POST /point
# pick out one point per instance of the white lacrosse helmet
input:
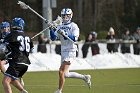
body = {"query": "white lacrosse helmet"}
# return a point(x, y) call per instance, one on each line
point(66, 15)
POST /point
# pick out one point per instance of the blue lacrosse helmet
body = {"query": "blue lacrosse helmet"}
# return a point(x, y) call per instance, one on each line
point(5, 24)
point(18, 23)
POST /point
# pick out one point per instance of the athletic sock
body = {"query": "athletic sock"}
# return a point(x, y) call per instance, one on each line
point(74, 75)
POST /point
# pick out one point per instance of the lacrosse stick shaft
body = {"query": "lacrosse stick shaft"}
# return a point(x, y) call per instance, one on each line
point(24, 6)
point(40, 33)
point(68, 38)
point(38, 14)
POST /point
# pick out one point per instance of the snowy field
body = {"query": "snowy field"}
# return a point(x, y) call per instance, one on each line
point(51, 61)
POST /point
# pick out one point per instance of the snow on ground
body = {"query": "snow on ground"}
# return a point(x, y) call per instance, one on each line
point(51, 61)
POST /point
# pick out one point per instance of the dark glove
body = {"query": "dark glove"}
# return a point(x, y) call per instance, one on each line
point(2, 56)
point(138, 41)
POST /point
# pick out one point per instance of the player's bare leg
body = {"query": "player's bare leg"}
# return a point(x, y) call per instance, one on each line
point(2, 68)
point(63, 68)
point(6, 84)
point(63, 72)
point(19, 85)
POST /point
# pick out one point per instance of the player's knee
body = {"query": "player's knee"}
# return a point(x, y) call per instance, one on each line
point(2, 63)
point(4, 82)
point(61, 73)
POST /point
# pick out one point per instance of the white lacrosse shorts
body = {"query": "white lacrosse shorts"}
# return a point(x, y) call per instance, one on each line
point(68, 56)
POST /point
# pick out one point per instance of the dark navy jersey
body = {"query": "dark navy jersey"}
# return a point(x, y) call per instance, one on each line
point(1, 35)
point(20, 46)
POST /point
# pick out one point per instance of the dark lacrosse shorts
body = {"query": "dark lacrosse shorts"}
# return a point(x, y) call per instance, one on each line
point(16, 71)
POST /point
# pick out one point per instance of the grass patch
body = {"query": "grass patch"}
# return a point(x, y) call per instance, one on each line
point(103, 81)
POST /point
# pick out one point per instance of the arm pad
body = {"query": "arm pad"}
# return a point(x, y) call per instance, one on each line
point(52, 35)
point(72, 37)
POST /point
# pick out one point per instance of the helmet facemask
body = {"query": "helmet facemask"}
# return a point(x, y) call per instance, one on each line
point(66, 18)
point(5, 29)
point(5, 25)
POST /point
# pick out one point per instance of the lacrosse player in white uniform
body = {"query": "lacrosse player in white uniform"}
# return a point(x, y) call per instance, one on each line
point(68, 48)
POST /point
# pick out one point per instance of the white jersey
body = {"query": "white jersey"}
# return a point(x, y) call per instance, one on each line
point(71, 29)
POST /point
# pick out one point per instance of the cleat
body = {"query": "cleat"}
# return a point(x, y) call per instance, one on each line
point(58, 91)
point(88, 80)
point(24, 91)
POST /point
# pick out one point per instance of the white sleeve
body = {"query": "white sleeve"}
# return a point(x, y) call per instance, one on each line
point(76, 31)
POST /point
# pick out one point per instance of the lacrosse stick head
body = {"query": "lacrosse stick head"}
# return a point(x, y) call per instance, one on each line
point(23, 5)
point(57, 22)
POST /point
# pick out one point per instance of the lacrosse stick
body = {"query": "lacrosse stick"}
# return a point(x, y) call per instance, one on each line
point(24, 6)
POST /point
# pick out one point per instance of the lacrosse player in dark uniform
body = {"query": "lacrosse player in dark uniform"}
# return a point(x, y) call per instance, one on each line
point(5, 30)
point(19, 45)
